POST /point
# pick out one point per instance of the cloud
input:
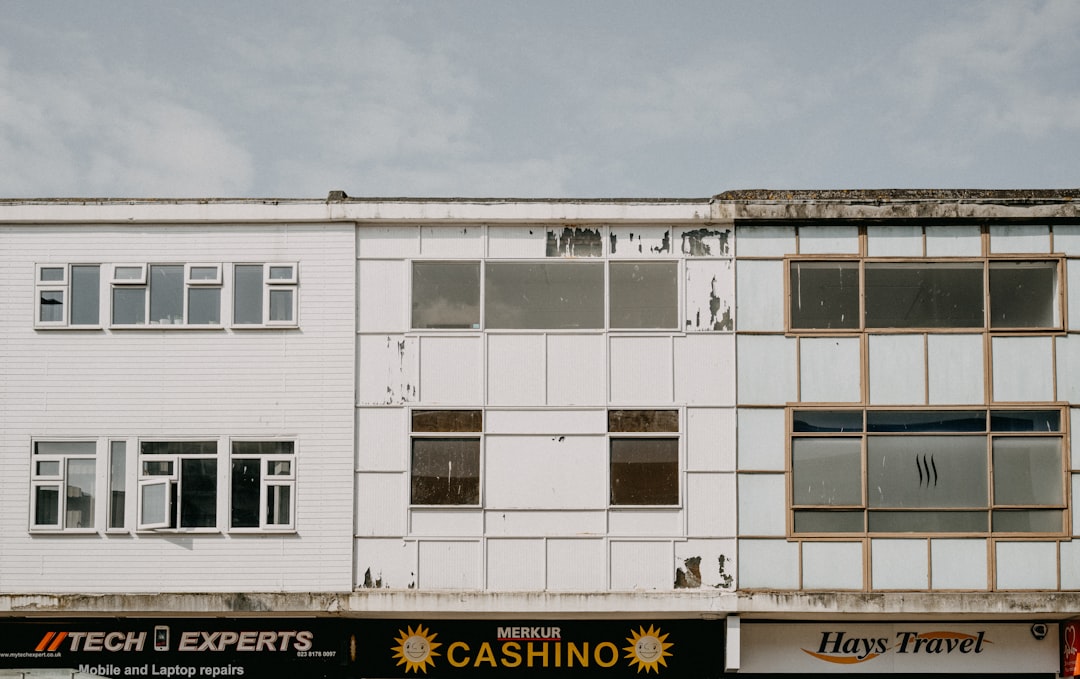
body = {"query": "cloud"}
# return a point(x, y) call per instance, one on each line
point(93, 130)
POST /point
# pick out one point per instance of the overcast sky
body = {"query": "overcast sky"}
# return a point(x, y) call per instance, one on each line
point(548, 98)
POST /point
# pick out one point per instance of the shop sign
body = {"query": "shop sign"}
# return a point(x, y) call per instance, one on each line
point(516, 649)
point(170, 648)
point(1070, 644)
point(898, 647)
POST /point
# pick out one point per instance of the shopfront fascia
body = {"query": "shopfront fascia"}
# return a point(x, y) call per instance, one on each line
point(905, 648)
point(168, 648)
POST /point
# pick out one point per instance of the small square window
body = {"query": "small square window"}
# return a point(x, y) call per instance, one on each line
point(445, 471)
point(644, 471)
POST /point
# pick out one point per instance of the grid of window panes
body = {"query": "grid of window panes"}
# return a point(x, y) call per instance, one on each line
point(959, 471)
point(512, 295)
point(999, 294)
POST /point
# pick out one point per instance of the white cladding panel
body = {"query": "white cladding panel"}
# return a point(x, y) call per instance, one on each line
point(447, 522)
point(386, 562)
point(762, 504)
point(710, 295)
point(1068, 366)
point(382, 296)
point(1026, 565)
point(639, 241)
point(830, 369)
point(766, 366)
point(380, 504)
point(387, 369)
point(714, 559)
point(575, 565)
point(516, 370)
point(452, 241)
point(953, 241)
point(641, 565)
point(955, 368)
point(563, 523)
point(515, 565)
point(762, 439)
point(760, 294)
point(765, 241)
point(709, 502)
point(645, 522)
point(705, 369)
point(522, 242)
point(899, 564)
point(450, 564)
point(894, 241)
point(1023, 368)
point(382, 439)
point(1009, 239)
point(546, 472)
point(547, 421)
point(897, 369)
point(576, 370)
point(641, 370)
point(710, 439)
point(167, 383)
point(828, 240)
point(947, 555)
point(393, 241)
point(832, 565)
point(768, 564)
point(450, 370)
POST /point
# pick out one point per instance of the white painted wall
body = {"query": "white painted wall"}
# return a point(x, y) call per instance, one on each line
point(295, 383)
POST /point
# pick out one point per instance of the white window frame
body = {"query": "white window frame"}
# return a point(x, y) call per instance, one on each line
point(63, 286)
point(270, 285)
point(59, 482)
point(266, 482)
point(188, 282)
point(174, 486)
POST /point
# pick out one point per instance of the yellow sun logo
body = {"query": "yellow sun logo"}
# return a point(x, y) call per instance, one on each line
point(647, 649)
point(415, 649)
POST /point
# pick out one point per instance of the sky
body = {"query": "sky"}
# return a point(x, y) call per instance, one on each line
point(539, 99)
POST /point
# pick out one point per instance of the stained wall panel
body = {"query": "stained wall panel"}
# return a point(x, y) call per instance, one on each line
point(387, 370)
point(710, 296)
point(385, 562)
point(639, 241)
point(1011, 239)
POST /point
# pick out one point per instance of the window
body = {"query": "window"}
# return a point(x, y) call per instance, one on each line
point(265, 294)
point(117, 484)
point(445, 470)
point(826, 295)
point(68, 295)
point(63, 481)
point(178, 484)
point(908, 471)
point(545, 295)
point(166, 294)
point(263, 484)
point(644, 467)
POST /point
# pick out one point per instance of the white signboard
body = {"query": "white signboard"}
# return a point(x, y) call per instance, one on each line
point(838, 648)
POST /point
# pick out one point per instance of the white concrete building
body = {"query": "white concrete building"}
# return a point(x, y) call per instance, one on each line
point(766, 432)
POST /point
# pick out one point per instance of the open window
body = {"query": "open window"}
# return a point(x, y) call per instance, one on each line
point(178, 484)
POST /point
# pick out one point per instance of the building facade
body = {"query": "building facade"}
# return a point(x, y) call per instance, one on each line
point(765, 432)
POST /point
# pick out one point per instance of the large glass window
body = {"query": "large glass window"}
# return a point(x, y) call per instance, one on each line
point(445, 470)
point(907, 471)
point(166, 294)
point(825, 295)
point(644, 295)
point(446, 295)
point(644, 469)
point(544, 295)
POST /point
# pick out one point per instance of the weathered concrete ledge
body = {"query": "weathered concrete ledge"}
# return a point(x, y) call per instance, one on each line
point(707, 604)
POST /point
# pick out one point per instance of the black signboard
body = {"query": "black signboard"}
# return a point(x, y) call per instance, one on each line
point(516, 649)
point(335, 648)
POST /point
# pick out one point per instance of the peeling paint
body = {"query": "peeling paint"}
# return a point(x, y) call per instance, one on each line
point(691, 577)
point(665, 244)
point(696, 243)
point(725, 322)
point(575, 242)
point(370, 583)
point(726, 580)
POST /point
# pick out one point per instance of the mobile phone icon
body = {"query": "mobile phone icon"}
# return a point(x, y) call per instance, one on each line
point(161, 638)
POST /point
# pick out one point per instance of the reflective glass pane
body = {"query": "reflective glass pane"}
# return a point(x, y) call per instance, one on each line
point(555, 295)
point(278, 467)
point(924, 421)
point(178, 447)
point(79, 502)
point(1027, 521)
point(278, 273)
point(277, 505)
point(927, 471)
point(65, 447)
point(643, 420)
point(827, 420)
point(644, 295)
point(85, 295)
point(46, 506)
point(198, 493)
point(1022, 294)
point(923, 295)
point(245, 492)
point(281, 304)
point(262, 447)
point(446, 295)
point(203, 273)
point(157, 468)
point(247, 294)
point(51, 306)
point(129, 306)
point(445, 471)
point(826, 471)
point(128, 273)
point(928, 522)
point(447, 420)
point(644, 471)
point(1028, 471)
point(167, 294)
point(117, 483)
point(824, 295)
point(48, 468)
point(814, 521)
point(204, 306)
point(48, 274)
point(1025, 420)
point(154, 499)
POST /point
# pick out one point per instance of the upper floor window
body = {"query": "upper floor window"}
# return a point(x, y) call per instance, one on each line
point(936, 471)
point(445, 464)
point(644, 466)
point(263, 482)
point(63, 485)
point(165, 295)
point(995, 294)
point(68, 295)
point(553, 295)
